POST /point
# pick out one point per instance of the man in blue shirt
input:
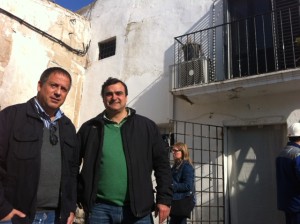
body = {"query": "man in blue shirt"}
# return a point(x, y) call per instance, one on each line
point(288, 176)
point(39, 156)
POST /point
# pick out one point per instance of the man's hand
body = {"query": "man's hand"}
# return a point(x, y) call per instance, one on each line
point(12, 214)
point(71, 218)
point(163, 212)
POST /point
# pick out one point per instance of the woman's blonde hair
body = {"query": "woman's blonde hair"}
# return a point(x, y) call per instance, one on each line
point(185, 151)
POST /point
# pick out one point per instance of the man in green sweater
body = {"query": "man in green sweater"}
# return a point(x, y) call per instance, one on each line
point(120, 150)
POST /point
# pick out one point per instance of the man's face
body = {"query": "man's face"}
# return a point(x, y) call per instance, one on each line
point(114, 98)
point(52, 94)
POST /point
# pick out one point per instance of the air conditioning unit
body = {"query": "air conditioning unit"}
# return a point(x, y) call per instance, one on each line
point(193, 72)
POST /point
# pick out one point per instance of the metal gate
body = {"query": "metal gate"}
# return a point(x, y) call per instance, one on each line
point(206, 150)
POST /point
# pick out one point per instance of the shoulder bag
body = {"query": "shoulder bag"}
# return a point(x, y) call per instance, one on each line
point(183, 207)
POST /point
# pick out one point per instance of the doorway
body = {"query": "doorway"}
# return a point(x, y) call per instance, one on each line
point(251, 173)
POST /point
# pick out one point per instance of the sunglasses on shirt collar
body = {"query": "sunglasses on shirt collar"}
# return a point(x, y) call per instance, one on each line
point(53, 136)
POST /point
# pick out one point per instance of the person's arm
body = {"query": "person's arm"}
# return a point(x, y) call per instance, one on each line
point(162, 211)
point(75, 174)
point(80, 139)
point(12, 214)
point(71, 218)
point(6, 209)
point(187, 180)
point(297, 166)
point(163, 176)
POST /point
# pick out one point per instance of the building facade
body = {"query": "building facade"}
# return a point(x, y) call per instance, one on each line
point(35, 35)
point(220, 75)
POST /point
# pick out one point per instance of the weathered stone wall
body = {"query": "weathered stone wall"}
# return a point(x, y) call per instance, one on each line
point(34, 35)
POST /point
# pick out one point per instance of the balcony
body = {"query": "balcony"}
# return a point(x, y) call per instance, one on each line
point(253, 55)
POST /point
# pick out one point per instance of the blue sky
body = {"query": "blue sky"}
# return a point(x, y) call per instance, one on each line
point(73, 5)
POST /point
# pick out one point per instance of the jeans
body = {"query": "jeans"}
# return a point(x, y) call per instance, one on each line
point(41, 217)
point(5, 222)
point(111, 214)
point(44, 217)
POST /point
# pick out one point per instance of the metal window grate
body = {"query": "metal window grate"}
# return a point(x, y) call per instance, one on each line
point(206, 150)
point(107, 48)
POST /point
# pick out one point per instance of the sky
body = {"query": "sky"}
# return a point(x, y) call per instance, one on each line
point(73, 5)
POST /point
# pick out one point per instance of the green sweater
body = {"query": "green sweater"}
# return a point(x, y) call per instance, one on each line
point(113, 183)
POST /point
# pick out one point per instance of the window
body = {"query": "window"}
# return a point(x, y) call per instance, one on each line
point(107, 48)
point(252, 39)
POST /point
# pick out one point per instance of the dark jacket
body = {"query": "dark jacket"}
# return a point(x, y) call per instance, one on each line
point(21, 135)
point(183, 180)
point(144, 152)
point(288, 178)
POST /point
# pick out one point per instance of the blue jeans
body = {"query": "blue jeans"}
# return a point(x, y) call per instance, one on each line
point(111, 214)
point(41, 217)
point(44, 217)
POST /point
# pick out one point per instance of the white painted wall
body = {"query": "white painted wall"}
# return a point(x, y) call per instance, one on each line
point(279, 108)
point(26, 52)
point(145, 32)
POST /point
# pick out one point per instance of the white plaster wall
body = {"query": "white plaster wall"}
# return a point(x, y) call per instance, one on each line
point(47, 16)
point(26, 53)
point(277, 108)
point(145, 32)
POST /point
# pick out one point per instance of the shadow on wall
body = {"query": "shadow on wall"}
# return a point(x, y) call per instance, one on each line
point(165, 79)
point(252, 177)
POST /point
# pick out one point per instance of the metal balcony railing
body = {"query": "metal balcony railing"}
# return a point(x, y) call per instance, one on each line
point(252, 46)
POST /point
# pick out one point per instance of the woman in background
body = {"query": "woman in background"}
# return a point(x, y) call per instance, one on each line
point(183, 179)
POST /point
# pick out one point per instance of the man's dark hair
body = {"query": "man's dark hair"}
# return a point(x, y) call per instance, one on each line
point(45, 75)
point(294, 139)
point(112, 81)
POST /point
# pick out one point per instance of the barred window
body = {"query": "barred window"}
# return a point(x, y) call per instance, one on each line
point(107, 48)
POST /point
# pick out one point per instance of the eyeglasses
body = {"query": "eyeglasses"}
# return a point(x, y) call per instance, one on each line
point(53, 136)
point(176, 150)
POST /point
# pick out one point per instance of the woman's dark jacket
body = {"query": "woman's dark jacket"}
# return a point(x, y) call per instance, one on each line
point(144, 152)
point(21, 136)
point(183, 180)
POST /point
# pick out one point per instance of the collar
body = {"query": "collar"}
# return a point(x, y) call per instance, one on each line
point(293, 144)
point(122, 121)
point(42, 113)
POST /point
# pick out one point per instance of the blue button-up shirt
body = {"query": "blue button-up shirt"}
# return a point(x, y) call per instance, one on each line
point(45, 117)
